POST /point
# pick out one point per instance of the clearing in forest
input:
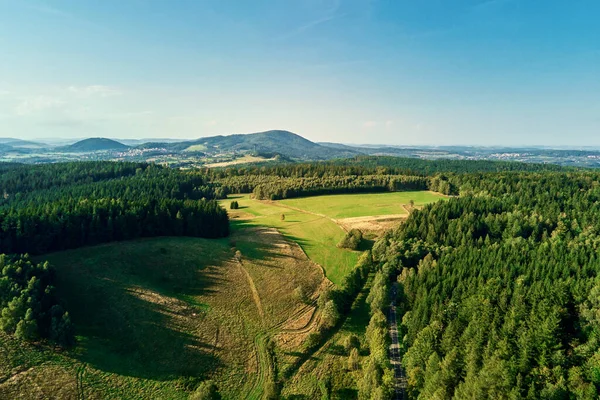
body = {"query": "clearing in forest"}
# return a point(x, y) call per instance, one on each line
point(317, 235)
point(363, 204)
point(154, 317)
point(318, 223)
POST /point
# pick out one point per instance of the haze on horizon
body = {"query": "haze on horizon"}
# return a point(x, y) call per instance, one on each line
point(476, 72)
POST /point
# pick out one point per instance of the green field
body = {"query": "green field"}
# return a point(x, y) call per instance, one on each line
point(155, 317)
point(318, 236)
point(362, 205)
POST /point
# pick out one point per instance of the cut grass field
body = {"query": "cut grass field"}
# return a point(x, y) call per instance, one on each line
point(317, 235)
point(362, 204)
point(154, 317)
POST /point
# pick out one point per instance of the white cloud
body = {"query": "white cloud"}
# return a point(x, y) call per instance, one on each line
point(4, 92)
point(211, 123)
point(94, 90)
point(34, 104)
point(369, 124)
point(389, 123)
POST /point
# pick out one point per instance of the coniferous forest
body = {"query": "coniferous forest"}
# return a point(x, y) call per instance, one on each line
point(499, 288)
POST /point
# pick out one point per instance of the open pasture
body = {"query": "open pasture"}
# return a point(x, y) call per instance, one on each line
point(362, 204)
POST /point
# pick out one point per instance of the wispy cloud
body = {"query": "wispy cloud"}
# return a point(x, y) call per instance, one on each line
point(94, 90)
point(31, 105)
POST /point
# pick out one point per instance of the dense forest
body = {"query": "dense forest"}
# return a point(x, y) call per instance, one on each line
point(41, 212)
point(500, 288)
point(356, 175)
point(378, 165)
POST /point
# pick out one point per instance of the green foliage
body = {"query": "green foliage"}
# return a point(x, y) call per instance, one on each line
point(351, 240)
point(234, 205)
point(27, 328)
point(277, 188)
point(329, 315)
point(351, 342)
point(29, 307)
point(353, 360)
point(500, 288)
point(93, 203)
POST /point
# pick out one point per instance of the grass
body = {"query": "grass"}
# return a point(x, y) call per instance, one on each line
point(362, 205)
point(330, 362)
point(246, 159)
point(318, 236)
point(154, 317)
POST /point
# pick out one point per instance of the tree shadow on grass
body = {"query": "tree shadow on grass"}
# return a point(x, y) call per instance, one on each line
point(126, 303)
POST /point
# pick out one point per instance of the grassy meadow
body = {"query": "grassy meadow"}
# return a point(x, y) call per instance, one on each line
point(318, 236)
point(362, 204)
point(155, 317)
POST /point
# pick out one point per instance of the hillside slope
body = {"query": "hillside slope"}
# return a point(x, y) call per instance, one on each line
point(281, 142)
point(94, 144)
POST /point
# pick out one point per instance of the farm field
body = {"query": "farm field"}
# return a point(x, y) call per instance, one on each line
point(154, 317)
point(363, 204)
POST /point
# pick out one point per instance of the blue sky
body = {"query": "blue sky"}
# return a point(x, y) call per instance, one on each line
point(436, 72)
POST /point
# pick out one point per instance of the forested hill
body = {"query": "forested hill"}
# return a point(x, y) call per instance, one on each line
point(281, 142)
point(500, 288)
point(94, 144)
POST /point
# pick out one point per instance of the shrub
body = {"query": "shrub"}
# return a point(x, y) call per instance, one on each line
point(351, 240)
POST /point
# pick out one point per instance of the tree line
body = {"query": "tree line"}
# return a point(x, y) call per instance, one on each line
point(118, 203)
point(378, 165)
point(266, 187)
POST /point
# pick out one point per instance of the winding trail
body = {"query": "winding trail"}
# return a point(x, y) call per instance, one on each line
point(395, 358)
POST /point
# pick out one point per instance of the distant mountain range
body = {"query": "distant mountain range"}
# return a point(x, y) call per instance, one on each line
point(275, 144)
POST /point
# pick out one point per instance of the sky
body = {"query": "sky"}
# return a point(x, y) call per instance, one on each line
point(401, 72)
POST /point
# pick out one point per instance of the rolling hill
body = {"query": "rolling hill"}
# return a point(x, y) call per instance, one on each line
point(93, 144)
point(281, 142)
